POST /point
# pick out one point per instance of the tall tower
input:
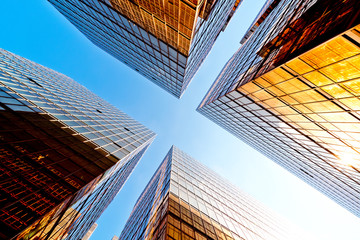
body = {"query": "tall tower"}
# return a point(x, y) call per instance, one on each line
point(90, 232)
point(292, 92)
point(165, 41)
point(186, 200)
point(64, 151)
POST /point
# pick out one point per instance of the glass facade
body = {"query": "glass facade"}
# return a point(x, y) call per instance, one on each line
point(186, 200)
point(90, 232)
point(64, 151)
point(292, 92)
point(165, 41)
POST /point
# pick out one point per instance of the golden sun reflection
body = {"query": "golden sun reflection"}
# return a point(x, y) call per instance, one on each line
point(349, 160)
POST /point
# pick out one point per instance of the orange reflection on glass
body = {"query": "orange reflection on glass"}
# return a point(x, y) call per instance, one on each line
point(317, 94)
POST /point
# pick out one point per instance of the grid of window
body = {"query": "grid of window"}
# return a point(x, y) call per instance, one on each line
point(303, 113)
point(246, 56)
point(206, 33)
point(58, 143)
point(316, 21)
point(171, 21)
point(91, 206)
point(60, 229)
point(200, 205)
point(133, 42)
point(150, 208)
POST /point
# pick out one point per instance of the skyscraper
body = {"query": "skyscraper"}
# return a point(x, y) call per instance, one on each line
point(165, 41)
point(186, 200)
point(292, 92)
point(90, 232)
point(65, 152)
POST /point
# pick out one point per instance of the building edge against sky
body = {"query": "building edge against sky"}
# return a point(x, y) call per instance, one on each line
point(65, 152)
point(165, 41)
point(90, 232)
point(294, 95)
point(186, 200)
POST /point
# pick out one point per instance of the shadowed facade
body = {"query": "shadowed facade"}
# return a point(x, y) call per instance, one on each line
point(64, 152)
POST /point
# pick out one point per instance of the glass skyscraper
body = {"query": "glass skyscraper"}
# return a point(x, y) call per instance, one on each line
point(65, 152)
point(165, 41)
point(292, 92)
point(186, 200)
point(90, 232)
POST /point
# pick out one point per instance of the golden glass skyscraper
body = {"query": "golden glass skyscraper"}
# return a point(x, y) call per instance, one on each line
point(185, 200)
point(165, 41)
point(173, 22)
point(292, 92)
point(65, 152)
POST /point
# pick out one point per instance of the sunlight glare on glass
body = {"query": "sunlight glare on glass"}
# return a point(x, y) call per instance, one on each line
point(350, 160)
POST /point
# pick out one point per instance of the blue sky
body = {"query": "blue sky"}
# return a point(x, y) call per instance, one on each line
point(35, 30)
